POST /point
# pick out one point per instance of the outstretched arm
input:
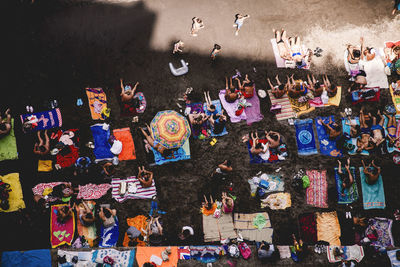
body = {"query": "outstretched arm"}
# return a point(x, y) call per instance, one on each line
point(122, 86)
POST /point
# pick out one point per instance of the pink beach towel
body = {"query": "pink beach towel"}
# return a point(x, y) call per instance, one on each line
point(93, 191)
point(253, 112)
point(317, 192)
point(141, 193)
point(61, 234)
point(39, 188)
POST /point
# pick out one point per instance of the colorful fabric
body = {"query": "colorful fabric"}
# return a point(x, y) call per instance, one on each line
point(383, 227)
point(141, 192)
point(286, 110)
point(101, 145)
point(170, 129)
point(365, 95)
point(67, 160)
point(218, 110)
point(277, 201)
point(305, 137)
point(128, 109)
point(109, 236)
point(197, 108)
point(317, 192)
point(254, 226)
point(328, 227)
point(326, 145)
point(44, 120)
point(128, 146)
point(308, 228)
point(351, 253)
point(45, 165)
point(15, 199)
point(184, 253)
point(205, 254)
point(143, 254)
point(216, 229)
point(353, 141)
point(350, 194)
point(30, 258)
point(89, 232)
point(231, 108)
point(283, 63)
point(335, 101)
point(373, 195)
point(300, 108)
point(8, 145)
point(182, 153)
point(97, 102)
point(139, 222)
point(393, 259)
point(92, 191)
point(121, 258)
point(61, 234)
point(253, 112)
point(395, 99)
point(39, 189)
point(275, 179)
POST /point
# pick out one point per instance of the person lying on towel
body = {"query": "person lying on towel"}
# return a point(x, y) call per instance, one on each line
point(364, 141)
point(391, 130)
point(346, 177)
point(334, 129)
point(107, 217)
point(258, 148)
point(231, 93)
point(281, 41)
point(64, 213)
point(85, 215)
point(280, 89)
point(296, 88)
point(5, 127)
point(208, 207)
point(359, 82)
point(145, 177)
point(371, 172)
point(218, 122)
point(330, 88)
point(378, 133)
point(155, 231)
point(127, 92)
point(314, 86)
point(246, 87)
point(42, 148)
point(166, 153)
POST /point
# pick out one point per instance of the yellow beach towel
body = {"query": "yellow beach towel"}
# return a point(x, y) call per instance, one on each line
point(16, 198)
point(328, 227)
point(45, 166)
point(335, 101)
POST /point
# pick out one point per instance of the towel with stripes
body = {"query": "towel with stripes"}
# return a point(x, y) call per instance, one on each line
point(286, 111)
point(141, 193)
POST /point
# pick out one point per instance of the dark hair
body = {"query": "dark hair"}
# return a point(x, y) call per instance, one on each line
point(147, 264)
point(136, 103)
point(281, 87)
point(110, 168)
point(89, 215)
point(212, 106)
point(209, 206)
point(3, 127)
point(317, 85)
point(107, 213)
point(217, 46)
point(167, 153)
point(358, 130)
point(146, 177)
point(41, 202)
point(215, 116)
point(266, 246)
point(186, 233)
point(258, 146)
point(356, 53)
point(398, 255)
point(199, 118)
point(374, 171)
point(274, 137)
point(333, 86)
point(336, 127)
point(299, 63)
point(228, 163)
point(133, 243)
point(140, 237)
point(42, 149)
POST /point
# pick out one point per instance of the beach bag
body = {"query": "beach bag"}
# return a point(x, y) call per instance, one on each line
point(244, 250)
point(234, 251)
point(306, 181)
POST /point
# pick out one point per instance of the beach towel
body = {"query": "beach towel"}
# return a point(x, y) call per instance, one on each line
point(45, 165)
point(61, 234)
point(144, 254)
point(395, 99)
point(284, 252)
point(383, 227)
point(275, 182)
point(282, 63)
point(8, 145)
point(15, 199)
point(84, 257)
point(276, 154)
point(393, 148)
point(89, 232)
point(121, 258)
point(277, 201)
point(101, 145)
point(97, 102)
point(308, 228)
point(128, 146)
point(39, 189)
point(231, 108)
point(351, 253)
point(317, 192)
point(300, 108)
point(197, 108)
point(373, 195)
point(128, 109)
point(393, 259)
point(109, 236)
point(375, 70)
point(328, 227)
point(184, 253)
point(350, 194)
point(353, 141)
point(217, 229)
point(44, 120)
point(305, 137)
point(246, 226)
point(182, 153)
point(141, 193)
point(335, 101)
point(326, 145)
point(30, 258)
point(286, 110)
point(139, 222)
point(92, 191)
point(365, 95)
point(253, 113)
point(68, 158)
point(218, 110)
point(206, 254)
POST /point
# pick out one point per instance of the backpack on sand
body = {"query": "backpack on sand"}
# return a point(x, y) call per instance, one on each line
point(244, 250)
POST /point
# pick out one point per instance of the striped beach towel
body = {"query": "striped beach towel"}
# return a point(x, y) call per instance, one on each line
point(286, 111)
point(317, 192)
point(141, 193)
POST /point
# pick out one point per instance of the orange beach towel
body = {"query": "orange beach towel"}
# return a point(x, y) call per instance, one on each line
point(128, 147)
point(140, 222)
point(143, 254)
point(97, 102)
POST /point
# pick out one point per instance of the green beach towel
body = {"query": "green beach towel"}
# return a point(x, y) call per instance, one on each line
point(8, 145)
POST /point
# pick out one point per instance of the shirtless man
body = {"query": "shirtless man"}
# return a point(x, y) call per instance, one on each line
point(281, 41)
point(5, 127)
point(363, 143)
point(377, 129)
point(198, 119)
point(145, 177)
point(314, 86)
point(334, 129)
point(371, 173)
point(274, 139)
point(346, 177)
point(230, 92)
point(259, 149)
point(279, 90)
point(43, 148)
point(127, 92)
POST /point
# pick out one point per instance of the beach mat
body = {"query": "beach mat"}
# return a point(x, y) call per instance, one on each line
point(97, 102)
point(197, 108)
point(45, 120)
point(68, 158)
point(231, 108)
point(141, 193)
point(92, 191)
point(128, 146)
point(395, 99)
point(139, 222)
point(351, 253)
point(45, 165)
point(101, 145)
point(308, 228)
point(365, 95)
point(277, 201)
point(89, 232)
point(253, 113)
point(217, 229)
point(373, 195)
point(317, 192)
point(383, 227)
point(280, 62)
point(326, 145)
point(144, 254)
point(328, 227)
point(109, 236)
point(30, 258)
point(16, 199)
point(39, 189)
point(8, 145)
point(182, 153)
point(61, 234)
point(335, 101)
point(244, 225)
point(351, 194)
point(286, 110)
point(353, 141)
point(218, 110)
point(300, 108)
point(121, 258)
point(184, 253)
point(305, 137)
point(393, 258)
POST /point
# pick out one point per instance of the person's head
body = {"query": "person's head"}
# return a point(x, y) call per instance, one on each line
point(356, 130)
point(299, 62)
point(2, 127)
point(184, 235)
point(167, 153)
point(374, 171)
point(367, 51)
point(336, 127)
point(333, 86)
point(209, 206)
point(212, 107)
point(65, 209)
point(258, 146)
point(266, 246)
point(317, 85)
point(228, 163)
point(27, 126)
point(398, 255)
point(356, 54)
point(107, 213)
point(281, 87)
point(238, 16)
point(147, 264)
point(146, 176)
point(199, 20)
point(198, 118)
point(217, 46)
point(274, 136)
point(109, 168)
point(42, 149)
point(89, 216)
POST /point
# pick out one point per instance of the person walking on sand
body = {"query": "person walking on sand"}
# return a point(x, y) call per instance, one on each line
point(239, 20)
point(178, 46)
point(215, 51)
point(197, 24)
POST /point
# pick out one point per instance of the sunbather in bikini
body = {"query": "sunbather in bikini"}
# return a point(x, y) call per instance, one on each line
point(127, 92)
point(346, 177)
point(296, 51)
point(377, 129)
point(279, 90)
point(246, 87)
point(231, 93)
point(43, 148)
point(363, 142)
point(154, 144)
point(391, 129)
point(314, 86)
point(355, 129)
point(331, 89)
point(5, 127)
point(353, 59)
point(281, 41)
point(145, 177)
point(371, 172)
point(211, 109)
point(208, 208)
point(227, 203)
point(295, 88)
point(274, 139)
point(333, 128)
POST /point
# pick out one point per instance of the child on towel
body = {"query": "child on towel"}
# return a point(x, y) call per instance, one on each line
point(346, 177)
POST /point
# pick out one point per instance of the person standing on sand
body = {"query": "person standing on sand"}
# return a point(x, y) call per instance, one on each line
point(178, 46)
point(215, 51)
point(239, 20)
point(197, 24)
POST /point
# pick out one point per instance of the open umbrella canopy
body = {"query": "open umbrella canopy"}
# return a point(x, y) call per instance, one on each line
point(170, 129)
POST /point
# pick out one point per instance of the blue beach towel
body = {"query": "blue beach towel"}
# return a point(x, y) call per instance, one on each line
point(305, 137)
point(101, 145)
point(392, 256)
point(326, 145)
point(181, 153)
point(346, 129)
point(122, 258)
point(274, 152)
point(45, 120)
point(218, 110)
point(390, 149)
point(109, 236)
point(373, 195)
point(351, 194)
point(31, 258)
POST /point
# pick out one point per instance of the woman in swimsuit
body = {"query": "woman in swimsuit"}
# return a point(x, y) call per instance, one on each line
point(363, 143)
point(127, 92)
point(314, 86)
point(284, 50)
point(230, 92)
point(330, 88)
point(43, 148)
point(247, 87)
point(296, 51)
point(391, 129)
point(152, 142)
point(334, 129)
point(279, 90)
point(377, 129)
point(346, 177)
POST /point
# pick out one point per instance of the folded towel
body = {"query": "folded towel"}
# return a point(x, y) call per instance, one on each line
point(15, 199)
point(141, 193)
point(101, 145)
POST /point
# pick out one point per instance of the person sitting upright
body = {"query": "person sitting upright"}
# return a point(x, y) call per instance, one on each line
point(314, 86)
point(246, 87)
point(145, 177)
point(265, 251)
point(371, 172)
point(107, 217)
point(279, 90)
point(334, 130)
point(259, 148)
point(43, 148)
point(346, 177)
point(330, 88)
point(127, 92)
point(5, 127)
point(295, 89)
point(231, 93)
point(218, 122)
